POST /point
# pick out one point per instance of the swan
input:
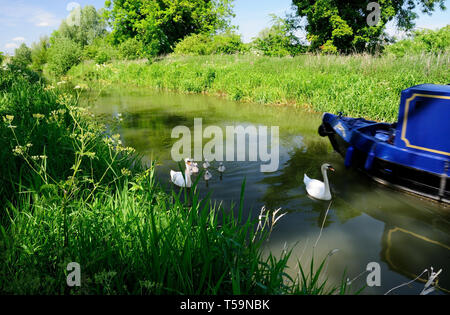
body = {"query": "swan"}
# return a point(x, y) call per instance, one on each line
point(221, 168)
point(194, 167)
point(183, 181)
point(206, 165)
point(208, 175)
point(317, 189)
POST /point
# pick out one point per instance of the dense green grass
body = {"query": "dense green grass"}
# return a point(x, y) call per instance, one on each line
point(72, 193)
point(360, 85)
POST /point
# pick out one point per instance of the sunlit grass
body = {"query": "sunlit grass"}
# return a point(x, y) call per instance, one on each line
point(359, 85)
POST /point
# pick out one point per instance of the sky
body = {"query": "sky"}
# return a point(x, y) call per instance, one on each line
point(25, 21)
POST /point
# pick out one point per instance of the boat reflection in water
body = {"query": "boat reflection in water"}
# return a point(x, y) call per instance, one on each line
point(411, 252)
point(416, 237)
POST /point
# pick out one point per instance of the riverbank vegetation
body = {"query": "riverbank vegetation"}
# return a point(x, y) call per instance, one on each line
point(360, 85)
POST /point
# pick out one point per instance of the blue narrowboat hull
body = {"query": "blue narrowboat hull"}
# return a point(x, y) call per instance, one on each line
point(371, 147)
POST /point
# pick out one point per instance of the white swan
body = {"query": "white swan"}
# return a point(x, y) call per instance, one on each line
point(183, 181)
point(221, 168)
point(208, 175)
point(317, 189)
point(194, 167)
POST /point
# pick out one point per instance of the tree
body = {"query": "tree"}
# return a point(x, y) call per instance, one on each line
point(160, 24)
point(342, 26)
point(2, 57)
point(280, 39)
point(85, 29)
point(22, 55)
point(63, 54)
point(39, 53)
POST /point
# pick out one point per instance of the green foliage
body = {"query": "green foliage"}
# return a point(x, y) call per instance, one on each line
point(39, 54)
point(195, 44)
point(83, 26)
point(279, 40)
point(81, 35)
point(101, 51)
point(22, 55)
point(161, 24)
point(228, 43)
point(2, 58)
point(203, 44)
point(131, 49)
point(43, 135)
point(102, 57)
point(423, 41)
point(341, 26)
point(63, 54)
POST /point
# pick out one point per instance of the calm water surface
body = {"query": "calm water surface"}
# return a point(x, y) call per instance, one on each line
point(366, 222)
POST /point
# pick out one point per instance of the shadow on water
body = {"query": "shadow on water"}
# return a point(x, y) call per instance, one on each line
point(366, 222)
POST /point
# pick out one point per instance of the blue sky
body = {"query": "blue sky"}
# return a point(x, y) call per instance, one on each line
point(27, 20)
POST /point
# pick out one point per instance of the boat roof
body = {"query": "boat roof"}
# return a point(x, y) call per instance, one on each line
point(430, 88)
point(424, 119)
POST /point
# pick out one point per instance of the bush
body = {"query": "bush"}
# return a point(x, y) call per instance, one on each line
point(22, 55)
point(131, 49)
point(2, 57)
point(63, 54)
point(202, 44)
point(103, 56)
point(197, 45)
point(424, 41)
point(278, 41)
point(228, 44)
point(39, 54)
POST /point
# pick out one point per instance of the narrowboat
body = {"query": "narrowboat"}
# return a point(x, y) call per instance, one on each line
point(412, 154)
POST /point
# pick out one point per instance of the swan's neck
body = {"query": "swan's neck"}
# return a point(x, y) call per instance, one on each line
point(326, 182)
point(187, 175)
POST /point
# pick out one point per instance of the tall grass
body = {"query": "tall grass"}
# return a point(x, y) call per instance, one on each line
point(359, 85)
point(74, 194)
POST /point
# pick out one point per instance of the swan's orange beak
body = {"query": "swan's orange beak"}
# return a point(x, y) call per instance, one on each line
point(331, 168)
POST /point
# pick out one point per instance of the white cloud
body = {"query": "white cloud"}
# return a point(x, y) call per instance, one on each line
point(43, 18)
point(14, 14)
point(10, 46)
point(19, 39)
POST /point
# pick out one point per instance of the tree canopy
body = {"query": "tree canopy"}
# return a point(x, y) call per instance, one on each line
point(160, 24)
point(85, 29)
point(22, 55)
point(342, 26)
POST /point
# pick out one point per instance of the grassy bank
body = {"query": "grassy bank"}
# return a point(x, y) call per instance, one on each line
point(362, 85)
point(71, 192)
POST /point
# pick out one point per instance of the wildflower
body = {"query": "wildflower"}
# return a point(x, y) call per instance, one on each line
point(77, 87)
point(18, 150)
point(8, 120)
point(90, 155)
point(61, 82)
point(38, 116)
point(126, 172)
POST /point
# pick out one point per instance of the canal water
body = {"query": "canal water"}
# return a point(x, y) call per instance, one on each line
point(364, 223)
